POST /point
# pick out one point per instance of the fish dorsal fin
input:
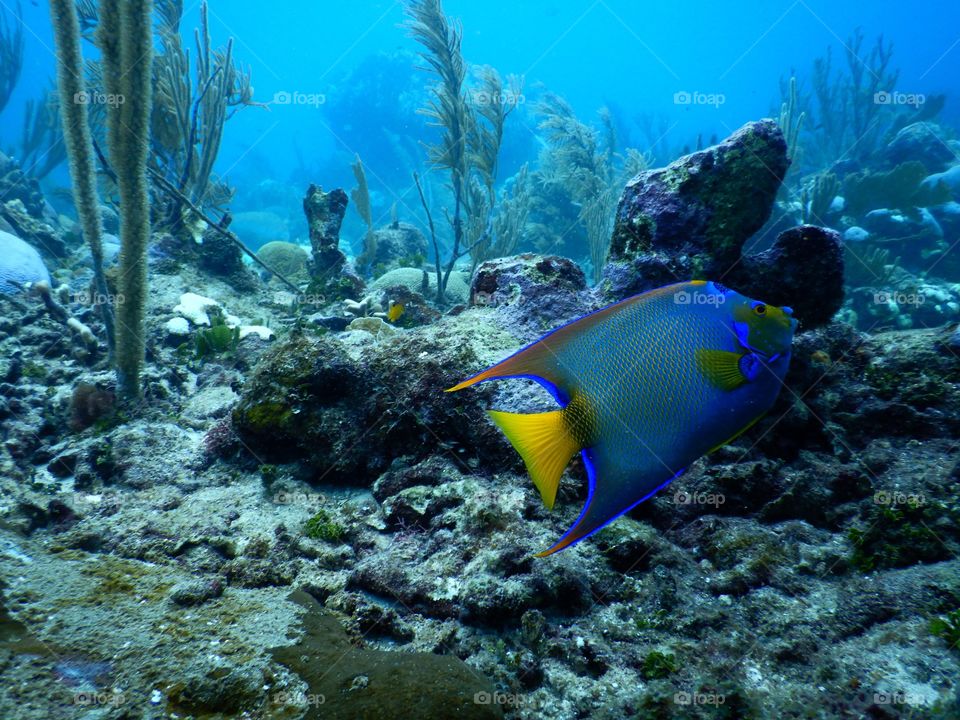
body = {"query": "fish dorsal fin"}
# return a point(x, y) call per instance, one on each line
point(545, 444)
point(722, 368)
point(542, 360)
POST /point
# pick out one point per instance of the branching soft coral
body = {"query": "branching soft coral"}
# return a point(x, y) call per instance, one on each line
point(585, 164)
point(11, 55)
point(471, 131)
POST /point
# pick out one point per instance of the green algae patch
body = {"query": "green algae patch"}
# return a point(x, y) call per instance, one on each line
point(323, 527)
point(346, 682)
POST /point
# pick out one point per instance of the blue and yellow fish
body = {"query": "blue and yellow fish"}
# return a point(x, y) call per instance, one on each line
point(646, 386)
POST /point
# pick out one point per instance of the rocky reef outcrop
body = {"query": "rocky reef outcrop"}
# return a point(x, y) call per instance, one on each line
point(693, 218)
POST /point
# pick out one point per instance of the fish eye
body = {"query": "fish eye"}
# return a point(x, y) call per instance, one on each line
point(760, 309)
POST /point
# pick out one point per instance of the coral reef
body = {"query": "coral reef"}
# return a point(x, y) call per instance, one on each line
point(420, 281)
point(294, 520)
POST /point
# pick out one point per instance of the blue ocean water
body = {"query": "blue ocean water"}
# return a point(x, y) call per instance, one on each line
point(632, 57)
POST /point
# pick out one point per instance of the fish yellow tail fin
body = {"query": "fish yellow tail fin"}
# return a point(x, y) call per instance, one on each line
point(544, 442)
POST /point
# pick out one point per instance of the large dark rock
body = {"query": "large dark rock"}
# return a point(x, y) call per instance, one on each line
point(803, 269)
point(692, 218)
point(699, 210)
point(218, 255)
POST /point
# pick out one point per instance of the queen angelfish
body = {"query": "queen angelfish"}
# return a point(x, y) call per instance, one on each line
point(646, 386)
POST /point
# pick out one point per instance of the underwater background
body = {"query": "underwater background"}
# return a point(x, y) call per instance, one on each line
point(245, 249)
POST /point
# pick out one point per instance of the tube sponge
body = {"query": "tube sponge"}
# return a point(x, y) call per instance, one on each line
point(125, 39)
point(77, 138)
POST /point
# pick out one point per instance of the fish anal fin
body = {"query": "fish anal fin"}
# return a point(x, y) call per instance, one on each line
point(545, 444)
point(605, 500)
point(721, 367)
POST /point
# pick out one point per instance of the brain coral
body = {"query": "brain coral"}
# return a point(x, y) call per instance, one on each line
point(458, 288)
point(19, 263)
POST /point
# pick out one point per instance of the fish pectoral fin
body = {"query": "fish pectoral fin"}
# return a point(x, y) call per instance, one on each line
point(722, 368)
point(545, 444)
